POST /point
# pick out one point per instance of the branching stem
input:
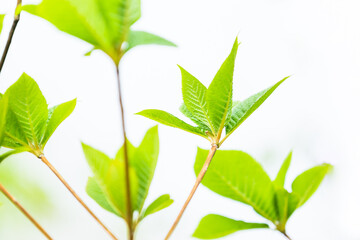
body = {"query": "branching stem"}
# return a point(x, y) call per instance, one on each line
point(193, 190)
point(11, 34)
point(22, 209)
point(129, 219)
point(43, 158)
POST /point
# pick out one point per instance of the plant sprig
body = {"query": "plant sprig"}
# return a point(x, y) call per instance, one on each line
point(238, 176)
point(213, 110)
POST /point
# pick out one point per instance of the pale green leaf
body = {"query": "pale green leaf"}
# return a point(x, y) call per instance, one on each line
point(170, 120)
point(137, 38)
point(183, 109)
point(306, 184)
point(244, 109)
point(95, 192)
point(219, 94)
point(280, 178)
point(1, 21)
point(10, 153)
point(144, 162)
point(29, 109)
point(194, 96)
point(3, 111)
point(282, 205)
point(56, 116)
point(215, 226)
point(104, 24)
point(236, 175)
point(160, 203)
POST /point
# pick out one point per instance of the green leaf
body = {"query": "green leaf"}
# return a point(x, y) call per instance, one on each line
point(29, 109)
point(183, 109)
point(3, 111)
point(194, 95)
point(56, 116)
point(137, 38)
point(305, 185)
point(170, 120)
point(10, 153)
point(1, 21)
point(95, 192)
point(236, 175)
point(215, 226)
point(144, 163)
point(219, 94)
point(159, 204)
point(283, 206)
point(280, 178)
point(244, 109)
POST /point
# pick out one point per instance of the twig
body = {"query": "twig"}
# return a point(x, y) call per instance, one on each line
point(197, 183)
point(129, 219)
point(287, 236)
point(11, 34)
point(22, 209)
point(43, 158)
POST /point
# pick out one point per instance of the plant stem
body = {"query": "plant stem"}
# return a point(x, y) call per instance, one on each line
point(43, 158)
point(22, 209)
point(129, 219)
point(11, 34)
point(193, 190)
point(287, 236)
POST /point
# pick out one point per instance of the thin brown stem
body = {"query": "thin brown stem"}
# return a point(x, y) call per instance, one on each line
point(287, 236)
point(43, 158)
point(22, 209)
point(129, 219)
point(193, 190)
point(11, 34)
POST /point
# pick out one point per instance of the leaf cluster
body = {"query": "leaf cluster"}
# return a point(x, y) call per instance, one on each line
point(212, 109)
point(238, 176)
point(107, 25)
point(26, 122)
point(107, 186)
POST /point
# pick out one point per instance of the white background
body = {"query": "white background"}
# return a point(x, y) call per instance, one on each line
point(315, 113)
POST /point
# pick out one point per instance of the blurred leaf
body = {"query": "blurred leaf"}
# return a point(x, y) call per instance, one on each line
point(109, 174)
point(1, 21)
point(170, 120)
point(194, 95)
point(282, 205)
point(137, 38)
point(244, 109)
point(3, 111)
point(56, 116)
point(219, 94)
point(215, 226)
point(160, 203)
point(280, 178)
point(306, 184)
point(9, 153)
point(95, 192)
point(236, 175)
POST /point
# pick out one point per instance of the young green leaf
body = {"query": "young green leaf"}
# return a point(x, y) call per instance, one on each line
point(236, 175)
point(283, 206)
point(3, 111)
point(95, 192)
point(184, 110)
point(215, 226)
point(306, 184)
point(56, 116)
point(29, 123)
point(244, 109)
point(29, 107)
point(219, 94)
point(280, 178)
point(170, 120)
point(1, 21)
point(137, 38)
point(160, 203)
point(194, 95)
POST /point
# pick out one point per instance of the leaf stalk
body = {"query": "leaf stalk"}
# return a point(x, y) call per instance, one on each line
point(52, 168)
point(23, 210)
point(11, 34)
point(193, 190)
